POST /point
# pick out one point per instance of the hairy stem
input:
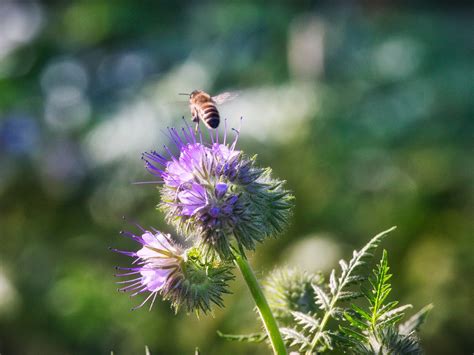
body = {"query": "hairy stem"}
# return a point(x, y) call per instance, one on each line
point(266, 314)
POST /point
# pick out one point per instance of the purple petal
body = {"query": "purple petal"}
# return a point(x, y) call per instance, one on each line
point(192, 199)
point(154, 280)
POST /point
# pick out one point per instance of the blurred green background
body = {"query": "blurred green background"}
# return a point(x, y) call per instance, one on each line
point(366, 109)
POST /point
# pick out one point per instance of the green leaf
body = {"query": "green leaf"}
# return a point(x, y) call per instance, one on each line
point(355, 320)
point(393, 316)
point(316, 338)
point(374, 331)
point(361, 312)
point(295, 338)
point(246, 338)
point(322, 298)
point(351, 333)
point(306, 321)
point(348, 295)
point(415, 321)
point(333, 282)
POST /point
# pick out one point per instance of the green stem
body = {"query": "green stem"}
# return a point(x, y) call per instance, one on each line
point(322, 325)
point(269, 322)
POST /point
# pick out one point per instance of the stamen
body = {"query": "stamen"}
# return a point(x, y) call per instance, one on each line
point(128, 281)
point(173, 138)
point(132, 287)
point(153, 301)
point(145, 301)
point(169, 152)
point(191, 132)
point(132, 236)
point(146, 182)
point(127, 274)
point(200, 134)
point(178, 138)
point(128, 253)
point(139, 291)
point(211, 135)
point(225, 130)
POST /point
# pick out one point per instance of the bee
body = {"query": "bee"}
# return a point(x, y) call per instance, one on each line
point(203, 107)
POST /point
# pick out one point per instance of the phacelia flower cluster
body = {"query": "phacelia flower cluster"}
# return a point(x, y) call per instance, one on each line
point(214, 194)
point(221, 202)
point(161, 266)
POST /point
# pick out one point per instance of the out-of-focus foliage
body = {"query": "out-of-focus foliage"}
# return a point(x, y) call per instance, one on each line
point(365, 109)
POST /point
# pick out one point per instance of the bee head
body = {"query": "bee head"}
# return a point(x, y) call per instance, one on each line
point(194, 93)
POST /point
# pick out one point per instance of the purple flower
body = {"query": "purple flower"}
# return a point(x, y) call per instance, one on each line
point(183, 276)
point(214, 192)
point(157, 265)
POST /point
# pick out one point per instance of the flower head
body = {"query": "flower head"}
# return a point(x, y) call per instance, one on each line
point(291, 289)
point(180, 275)
point(214, 192)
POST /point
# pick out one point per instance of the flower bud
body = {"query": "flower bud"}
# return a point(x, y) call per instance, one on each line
point(288, 290)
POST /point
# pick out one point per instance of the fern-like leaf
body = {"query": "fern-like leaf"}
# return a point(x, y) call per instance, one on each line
point(373, 331)
point(306, 321)
point(246, 338)
point(309, 332)
point(333, 282)
point(321, 298)
point(393, 316)
point(294, 337)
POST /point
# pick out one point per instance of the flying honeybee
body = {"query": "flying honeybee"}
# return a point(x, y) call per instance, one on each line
point(203, 107)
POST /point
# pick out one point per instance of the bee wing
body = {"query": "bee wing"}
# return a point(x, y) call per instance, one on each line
point(224, 97)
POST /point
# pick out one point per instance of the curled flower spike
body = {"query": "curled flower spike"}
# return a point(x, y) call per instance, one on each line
point(163, 267)
point(214, 192)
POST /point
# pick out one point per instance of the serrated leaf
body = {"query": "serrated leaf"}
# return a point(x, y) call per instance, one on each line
point(353, 334)
point(342, 338)
point(337, 292)
point(361, 312)
point(327, 341)
point(322, 298)
point(388, 307)
point(343, 265)
point(415, 321)
point(247, 338)
point(358, 256)
point(306, 321)
point(338, 313)
point(355, 321)
point(355, 279)
point(393, 316)
point(295, 337)
point(333, 282)
point(348, 295)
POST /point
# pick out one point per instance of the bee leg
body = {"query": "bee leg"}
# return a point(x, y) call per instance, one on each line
point(196, 120)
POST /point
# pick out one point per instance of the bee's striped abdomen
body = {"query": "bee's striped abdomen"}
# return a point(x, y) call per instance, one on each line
point(210, 115)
